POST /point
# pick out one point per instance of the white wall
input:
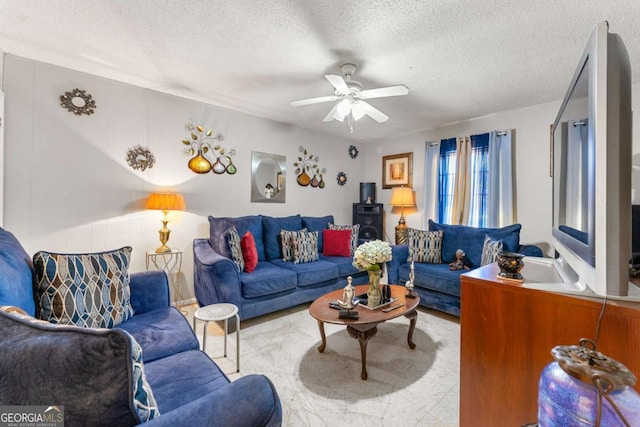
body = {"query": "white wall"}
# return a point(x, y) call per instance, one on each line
point(533, 183)
point(68, 187)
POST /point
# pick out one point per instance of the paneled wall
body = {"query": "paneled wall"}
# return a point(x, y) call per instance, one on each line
point(68, 187)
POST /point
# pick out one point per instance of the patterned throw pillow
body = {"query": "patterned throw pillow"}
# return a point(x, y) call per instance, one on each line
point(89, 290)
point(425, 246)
point(233, 239)
point(491, 250)
point(305, 247)
point(286, 239)
point(143, 400)
point(355, 231)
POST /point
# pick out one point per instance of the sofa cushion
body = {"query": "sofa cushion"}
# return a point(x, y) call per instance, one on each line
point(424, 246)
point(491, 250)
point(318, 224)
point(305, 247)
point(471, 239)
point(355, 231)
point(267, 279)
point(336, 243)
point(90, 290)
point(310, 273)
point(182, 378)
point(219, 226)
point(161, 333)
point(271, 233)
point(88, 371)
point(235, 248)
point(249, 252)
point(345, 265)
point(16, 280)
point(437, 277)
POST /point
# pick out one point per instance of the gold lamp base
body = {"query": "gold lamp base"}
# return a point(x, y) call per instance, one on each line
point(402, 232)
point(164, 237)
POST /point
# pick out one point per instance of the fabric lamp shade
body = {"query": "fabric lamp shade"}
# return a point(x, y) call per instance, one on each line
point(403, 197)
point(166, 202)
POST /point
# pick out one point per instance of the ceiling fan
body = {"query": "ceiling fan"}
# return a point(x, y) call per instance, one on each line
point(351, 98)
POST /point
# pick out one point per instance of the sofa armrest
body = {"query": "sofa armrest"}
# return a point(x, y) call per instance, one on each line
point(399, 255)
point(149, 291)
point(216, 278)
point(530, 250)
point(249, 401)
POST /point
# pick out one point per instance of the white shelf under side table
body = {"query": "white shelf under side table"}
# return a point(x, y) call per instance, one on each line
point(215, 313)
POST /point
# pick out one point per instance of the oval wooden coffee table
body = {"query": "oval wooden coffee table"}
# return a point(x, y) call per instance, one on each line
point(365, 326)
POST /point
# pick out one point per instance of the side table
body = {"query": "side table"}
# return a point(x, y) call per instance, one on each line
point(218, 312)
point(170, 263)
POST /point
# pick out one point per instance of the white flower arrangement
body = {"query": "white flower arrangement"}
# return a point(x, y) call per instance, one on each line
point(369, 255)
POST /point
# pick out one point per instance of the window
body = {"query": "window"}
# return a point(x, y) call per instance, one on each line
point(446, 179)
point(477, 181)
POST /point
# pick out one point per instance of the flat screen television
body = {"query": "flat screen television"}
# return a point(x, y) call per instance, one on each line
point(592, 151)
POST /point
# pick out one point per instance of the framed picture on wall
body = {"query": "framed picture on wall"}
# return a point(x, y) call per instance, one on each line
point(397, 170)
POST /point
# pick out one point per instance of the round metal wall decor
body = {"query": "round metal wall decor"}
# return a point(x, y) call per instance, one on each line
point(341, 178)
point(78, 102)
point(353, 152)
point(140, 158)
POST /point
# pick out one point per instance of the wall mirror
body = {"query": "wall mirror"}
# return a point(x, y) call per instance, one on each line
point(268, 173)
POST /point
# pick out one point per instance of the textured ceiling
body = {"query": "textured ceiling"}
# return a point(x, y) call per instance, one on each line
point(459, 59)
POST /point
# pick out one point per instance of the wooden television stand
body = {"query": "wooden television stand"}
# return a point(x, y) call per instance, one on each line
point(507, 333)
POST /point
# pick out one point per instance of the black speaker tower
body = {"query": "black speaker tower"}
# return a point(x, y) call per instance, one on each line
point(370, 216)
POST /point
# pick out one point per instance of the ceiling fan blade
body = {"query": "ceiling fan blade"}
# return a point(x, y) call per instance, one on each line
point(338, 82)
point(361, 108)
point(332, 114)
point(313, 101)
point(385, 91)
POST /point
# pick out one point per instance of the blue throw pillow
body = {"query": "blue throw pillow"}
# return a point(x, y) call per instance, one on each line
point(271, 228)
point(471, 239)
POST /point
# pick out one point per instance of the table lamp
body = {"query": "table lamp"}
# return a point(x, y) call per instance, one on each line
point(165, 202)
point(403, 198)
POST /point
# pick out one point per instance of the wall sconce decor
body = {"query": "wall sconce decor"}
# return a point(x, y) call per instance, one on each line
point(306, 166)
point(199, 145)
point(341, 178)
point(402, 197)
point(78, 102)
point(165, 202)
point(140, 158)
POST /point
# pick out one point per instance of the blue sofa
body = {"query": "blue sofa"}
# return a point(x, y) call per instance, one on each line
point(98, 375)
point(437, 285)
point(275, 284)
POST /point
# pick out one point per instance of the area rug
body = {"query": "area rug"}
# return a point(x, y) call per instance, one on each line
point(405, 387)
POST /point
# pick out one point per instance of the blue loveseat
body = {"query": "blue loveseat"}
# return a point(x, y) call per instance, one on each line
point(98, 376)
point(437, 285)
point(275, 284)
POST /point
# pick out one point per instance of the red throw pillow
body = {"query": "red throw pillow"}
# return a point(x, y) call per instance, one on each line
point(249, 252)
point(336, 242)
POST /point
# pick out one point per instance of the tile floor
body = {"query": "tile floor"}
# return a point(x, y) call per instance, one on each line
point(405, 387)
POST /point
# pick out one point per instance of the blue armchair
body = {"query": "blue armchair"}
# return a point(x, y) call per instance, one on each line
point(148, 369)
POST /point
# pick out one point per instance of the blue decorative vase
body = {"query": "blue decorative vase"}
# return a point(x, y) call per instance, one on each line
point(564, 400)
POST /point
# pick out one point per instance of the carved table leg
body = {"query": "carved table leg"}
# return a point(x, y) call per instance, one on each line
point(413, 317)
point(324, 337)
point(363, 338)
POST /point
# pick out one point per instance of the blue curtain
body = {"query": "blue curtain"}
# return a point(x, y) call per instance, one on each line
point(479, 180)
point(446, 179)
